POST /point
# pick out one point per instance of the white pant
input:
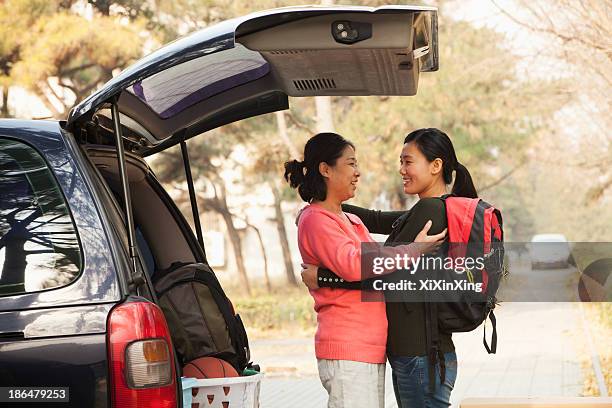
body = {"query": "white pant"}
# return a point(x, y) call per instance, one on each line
point(353, 384)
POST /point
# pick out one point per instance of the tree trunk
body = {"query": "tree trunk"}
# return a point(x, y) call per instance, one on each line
point(219, 205)
point(278, 214)
point(234, 239)
point(4, 113)
point(237, 246)
point(48, 104)
point(282, 234)
point(325, 118)
point(15, 263)
point(263, 253)
point(282, 132)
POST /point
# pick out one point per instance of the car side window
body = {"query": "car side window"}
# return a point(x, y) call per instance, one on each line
point(39, 247)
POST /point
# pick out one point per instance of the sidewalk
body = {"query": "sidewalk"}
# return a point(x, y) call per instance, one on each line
point(536, 357)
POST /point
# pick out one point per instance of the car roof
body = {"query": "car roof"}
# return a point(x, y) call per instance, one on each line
point(27, 129)
point(549, 238)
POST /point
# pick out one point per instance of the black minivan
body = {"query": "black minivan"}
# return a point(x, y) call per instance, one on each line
point(84, 222)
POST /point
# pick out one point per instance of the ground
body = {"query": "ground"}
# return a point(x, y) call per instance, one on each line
point(538, 355)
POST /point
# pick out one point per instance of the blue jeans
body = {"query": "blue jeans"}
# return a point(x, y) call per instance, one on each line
point(410, 375)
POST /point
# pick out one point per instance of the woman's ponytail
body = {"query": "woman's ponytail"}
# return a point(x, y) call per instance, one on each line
point(463, 186)
point(294, 173)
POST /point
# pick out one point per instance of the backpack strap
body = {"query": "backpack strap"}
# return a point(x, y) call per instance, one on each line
point(435, 355)
point(493, 348)
point(160, 273)
point(500, 222)
point(477, 227)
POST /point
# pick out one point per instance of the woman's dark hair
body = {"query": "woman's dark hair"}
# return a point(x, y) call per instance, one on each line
point(434, 143)
point(305, 175)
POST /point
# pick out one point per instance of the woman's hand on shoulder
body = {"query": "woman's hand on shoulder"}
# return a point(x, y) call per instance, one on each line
point(429, 243)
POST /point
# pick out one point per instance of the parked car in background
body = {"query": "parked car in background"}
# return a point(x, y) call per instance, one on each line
point(549, 251)
point(85, 224)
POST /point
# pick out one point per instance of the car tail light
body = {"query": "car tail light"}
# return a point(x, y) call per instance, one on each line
point(148, 364)
point(142, 372)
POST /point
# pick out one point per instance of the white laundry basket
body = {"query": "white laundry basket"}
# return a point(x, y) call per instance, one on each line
point(233, 392)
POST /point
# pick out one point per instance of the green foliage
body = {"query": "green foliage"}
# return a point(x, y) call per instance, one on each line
point(285, 308)
point(73, 48)
point(44, 40)
point(15, 17)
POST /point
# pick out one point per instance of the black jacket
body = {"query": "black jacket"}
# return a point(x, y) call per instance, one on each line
point(406, 333)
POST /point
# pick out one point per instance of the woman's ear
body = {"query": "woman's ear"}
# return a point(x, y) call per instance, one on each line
point(324, 169)
point(436, 166)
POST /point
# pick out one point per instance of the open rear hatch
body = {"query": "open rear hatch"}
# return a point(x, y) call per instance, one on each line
point(250, 65)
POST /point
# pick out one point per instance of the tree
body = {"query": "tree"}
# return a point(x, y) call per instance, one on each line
point(493, 115)
point(60, 55)
point(577, 37)
point(69, 53)
point(270, 169)
point(15, 18)
point(266, 169)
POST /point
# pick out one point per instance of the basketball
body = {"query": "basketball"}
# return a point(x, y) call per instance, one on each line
point(209, 367)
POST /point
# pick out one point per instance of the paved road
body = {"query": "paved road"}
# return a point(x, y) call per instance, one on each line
point(537, 356)
point(541, 285)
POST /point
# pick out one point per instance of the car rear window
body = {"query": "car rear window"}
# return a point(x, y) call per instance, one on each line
point(175, 89)
point(39, 247)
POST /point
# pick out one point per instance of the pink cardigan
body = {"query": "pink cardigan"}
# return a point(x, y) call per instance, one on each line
point(348, 329)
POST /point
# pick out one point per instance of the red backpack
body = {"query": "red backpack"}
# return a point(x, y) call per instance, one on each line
point(473, 221)
point(478, 225)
